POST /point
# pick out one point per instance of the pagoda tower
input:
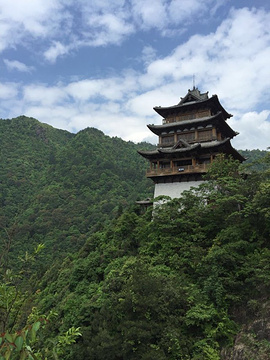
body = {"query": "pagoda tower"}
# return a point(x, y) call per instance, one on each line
point(192, 133)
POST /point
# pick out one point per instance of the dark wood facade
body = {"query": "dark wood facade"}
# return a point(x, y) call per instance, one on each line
point(192, 133)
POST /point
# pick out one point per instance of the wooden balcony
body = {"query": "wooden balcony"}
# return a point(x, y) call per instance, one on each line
point(176, 170)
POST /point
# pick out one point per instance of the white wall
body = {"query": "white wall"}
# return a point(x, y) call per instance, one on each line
point(174, 190)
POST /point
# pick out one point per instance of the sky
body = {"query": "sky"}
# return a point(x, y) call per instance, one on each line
point(75, 64)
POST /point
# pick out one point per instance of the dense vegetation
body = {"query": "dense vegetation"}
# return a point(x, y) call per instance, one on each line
point(177, 283)
point(56, 187)
point(175, 286)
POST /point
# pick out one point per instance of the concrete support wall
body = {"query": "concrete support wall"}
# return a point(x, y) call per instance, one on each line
point(174, 190)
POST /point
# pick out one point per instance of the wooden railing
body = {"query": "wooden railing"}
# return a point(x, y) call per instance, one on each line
point(187, 169)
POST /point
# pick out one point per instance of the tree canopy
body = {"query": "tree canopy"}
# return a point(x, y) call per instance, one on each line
point(188, 280)
point(176, 284)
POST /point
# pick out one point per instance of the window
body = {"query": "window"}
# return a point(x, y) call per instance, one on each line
point(167, 140)
point(205, 135)
point(190, 136)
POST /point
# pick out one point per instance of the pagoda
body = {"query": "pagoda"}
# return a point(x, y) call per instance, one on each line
point(192, 133)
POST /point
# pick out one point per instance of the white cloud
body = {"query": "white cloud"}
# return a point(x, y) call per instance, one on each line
point(55, 50)
point(183, 10)
point(21, 21)
point(104, 29)
point(8, 91)
point(168, 15)
point(90, 23)
point(217, 62)
point(56, 22)
point(115, 88)
point(225, 62)
point(29, 13)
point(43, 95)
point(148, 15)
point(57, 116)
point(17, 65)
point(254, 128)
point(142, 104)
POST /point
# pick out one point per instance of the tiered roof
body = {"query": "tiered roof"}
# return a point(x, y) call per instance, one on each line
point(223, 146)
point(216, 119)
point(195, 111)
point(194, 100)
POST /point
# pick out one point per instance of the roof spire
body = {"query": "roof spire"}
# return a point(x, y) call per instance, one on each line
point(193, 82)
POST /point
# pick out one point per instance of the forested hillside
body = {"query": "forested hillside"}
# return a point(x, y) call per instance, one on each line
point(56, 187)
point(177, 285)
point(189, 281)
point(254, 160)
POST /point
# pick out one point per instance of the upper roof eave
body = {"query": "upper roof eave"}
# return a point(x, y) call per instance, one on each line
point(164, 111)
point(158, 129)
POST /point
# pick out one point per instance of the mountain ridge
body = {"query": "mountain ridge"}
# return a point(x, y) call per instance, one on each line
point(47, 173)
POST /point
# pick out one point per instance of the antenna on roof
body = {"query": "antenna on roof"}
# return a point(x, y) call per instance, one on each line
point(193, 82)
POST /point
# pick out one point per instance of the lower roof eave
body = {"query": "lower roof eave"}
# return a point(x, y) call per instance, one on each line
point(177, 175)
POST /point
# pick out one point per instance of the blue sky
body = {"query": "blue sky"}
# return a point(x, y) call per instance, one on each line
point(106, 64)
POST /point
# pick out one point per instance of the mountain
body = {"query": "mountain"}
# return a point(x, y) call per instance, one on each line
point(190, 282)
point(56, 187)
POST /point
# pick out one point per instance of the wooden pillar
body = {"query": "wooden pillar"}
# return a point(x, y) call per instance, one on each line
point(196, 134)
point(214, 132)
point(175, 138)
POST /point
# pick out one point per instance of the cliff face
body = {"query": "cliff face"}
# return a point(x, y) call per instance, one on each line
point(253, 341)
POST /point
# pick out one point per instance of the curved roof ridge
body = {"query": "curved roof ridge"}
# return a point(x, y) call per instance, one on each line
point(195, 95)
point(191, 100)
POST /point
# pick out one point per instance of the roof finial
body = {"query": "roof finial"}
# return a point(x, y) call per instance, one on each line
point(193, 82)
